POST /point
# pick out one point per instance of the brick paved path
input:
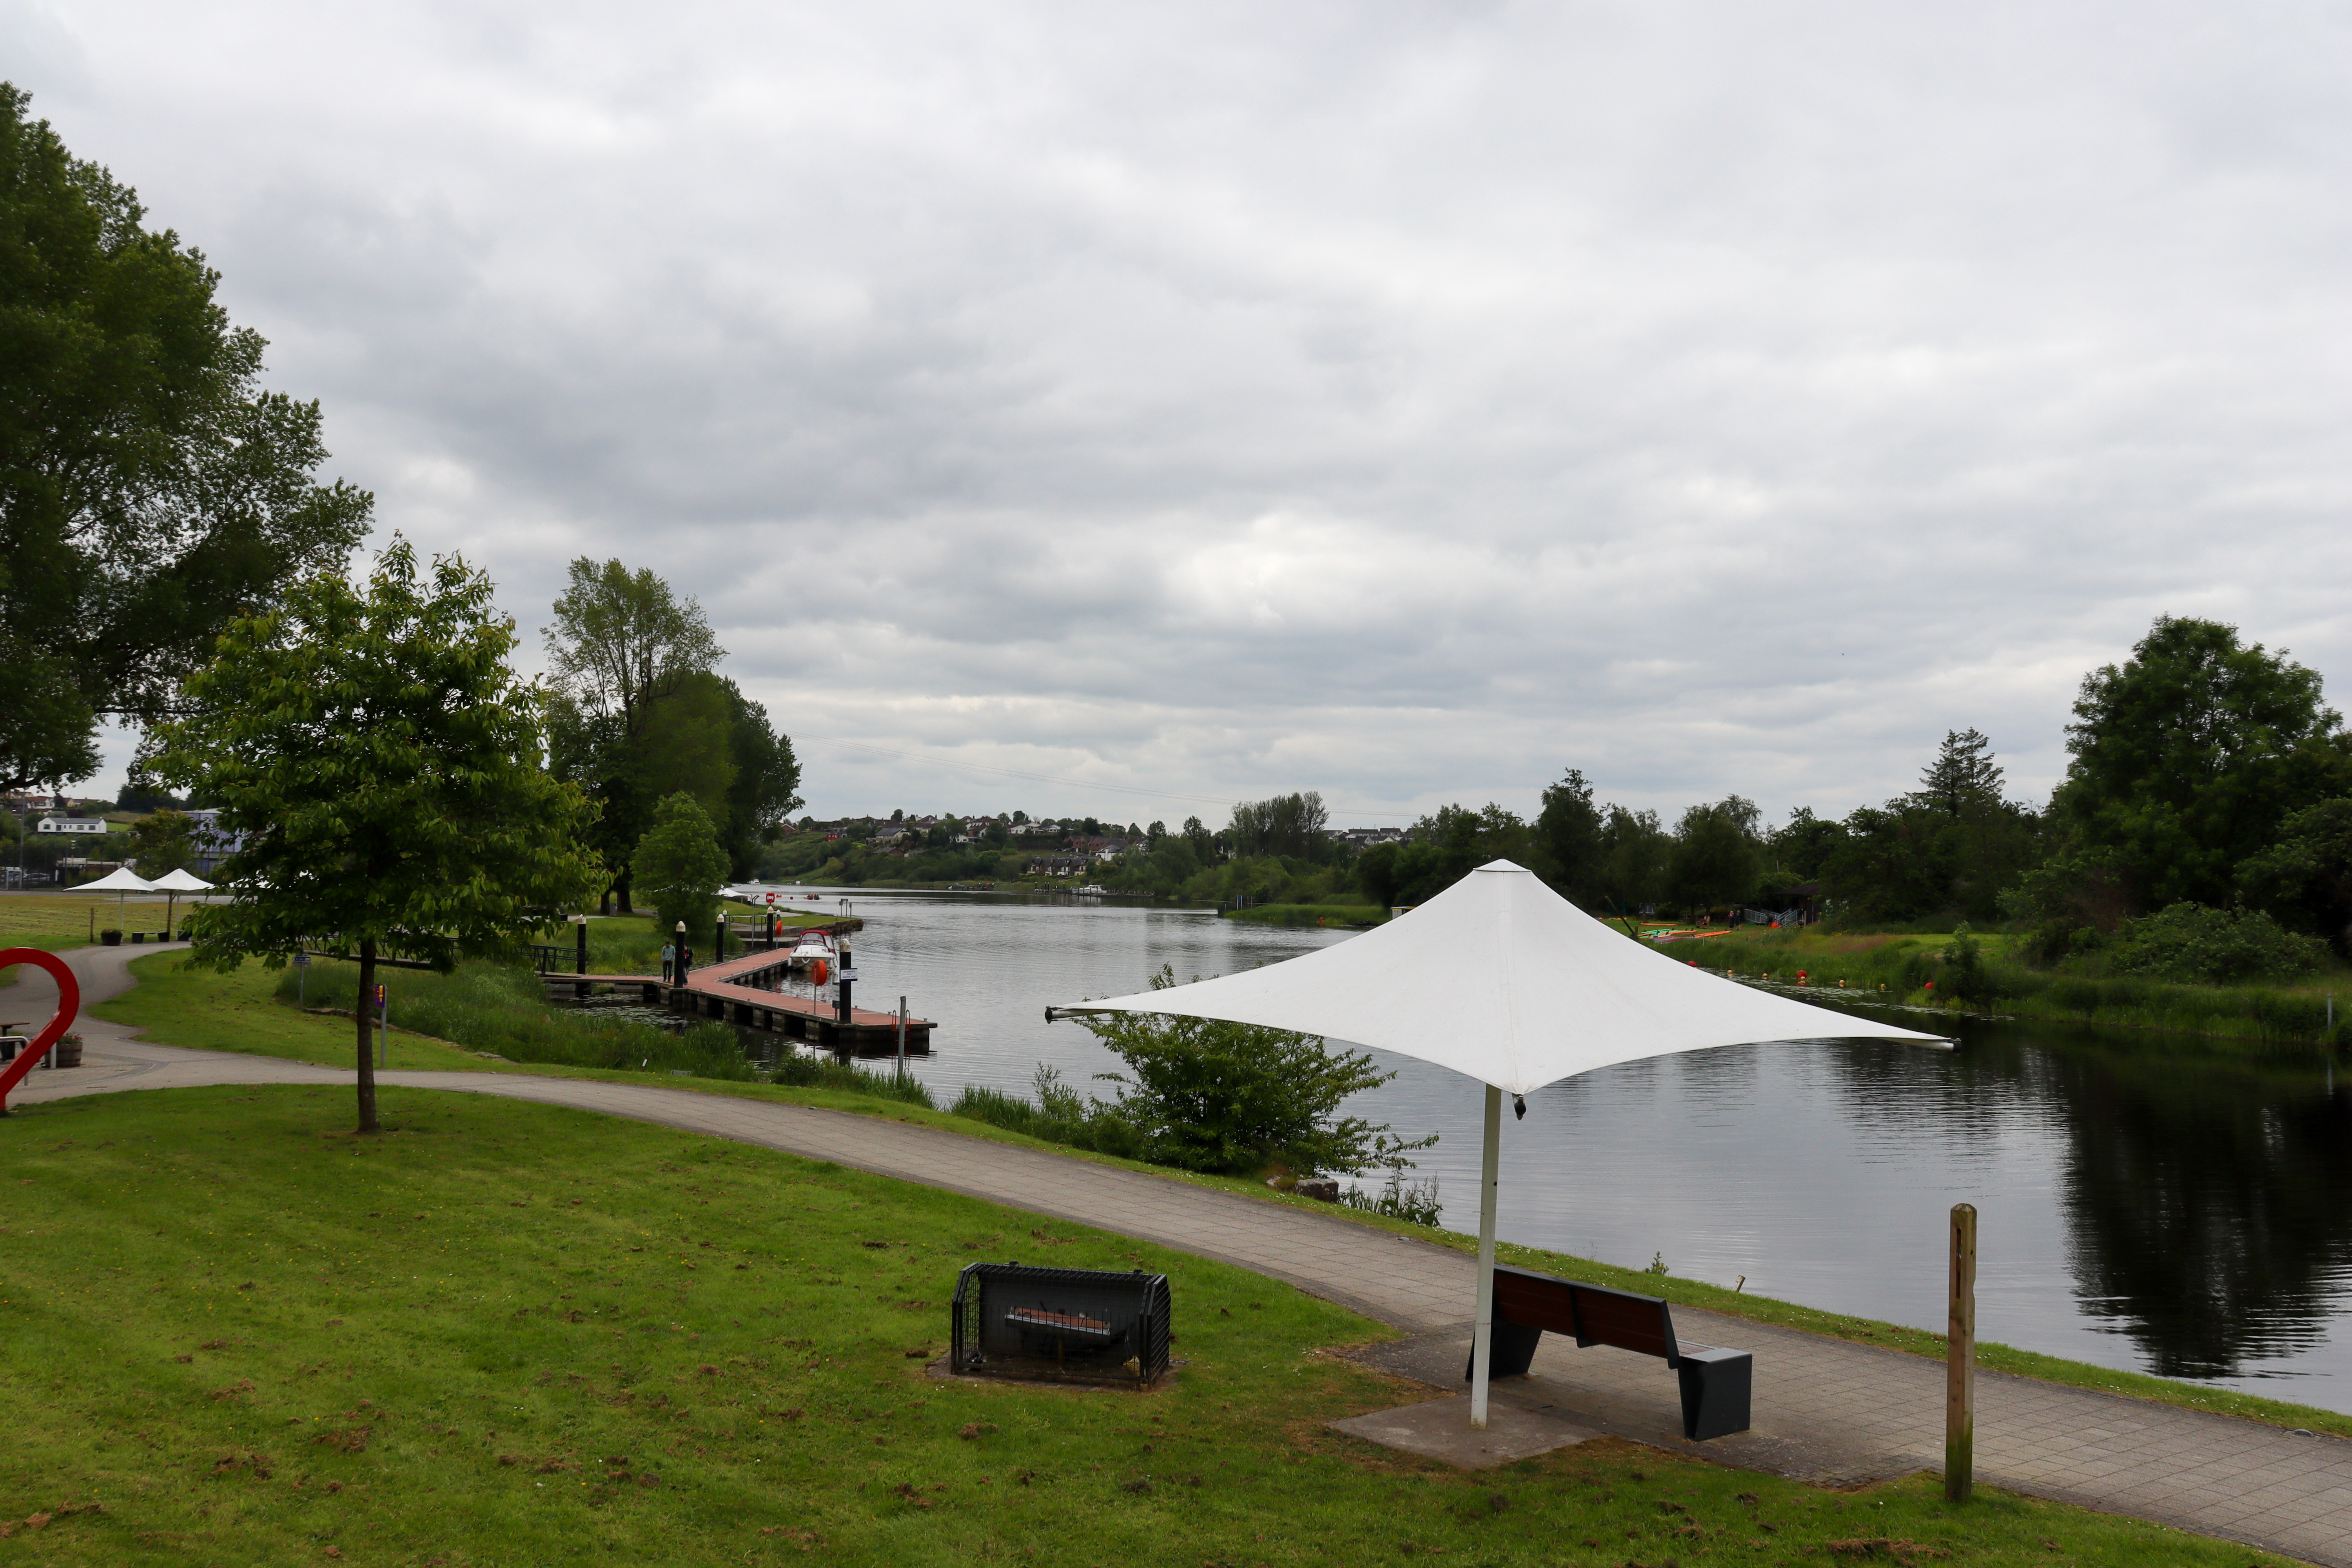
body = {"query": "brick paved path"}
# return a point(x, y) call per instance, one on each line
point(1824, 1409)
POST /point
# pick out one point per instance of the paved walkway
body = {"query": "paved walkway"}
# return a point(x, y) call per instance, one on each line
point(1825, 1410)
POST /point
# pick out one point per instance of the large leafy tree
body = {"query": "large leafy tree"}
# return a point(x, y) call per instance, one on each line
point(765, 789)
point(2305, 879)
point(1443, 847)
point(1286, 825)
point(382, 762)
point(2189, 755)
point(150, 490)
point(1634, 852)
point(640, 716)
point(1718, 854)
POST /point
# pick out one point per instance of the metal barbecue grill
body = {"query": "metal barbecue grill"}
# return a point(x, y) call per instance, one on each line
point(1076, 1325)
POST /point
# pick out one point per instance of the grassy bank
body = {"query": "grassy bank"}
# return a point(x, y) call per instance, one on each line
point(56, 922)
point(508, 1333)
point(241, 1012)
point(1350, 915)
point(481, 1018)
point(1905, 965)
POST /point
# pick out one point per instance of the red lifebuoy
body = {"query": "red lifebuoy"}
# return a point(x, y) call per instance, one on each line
point(817, 971)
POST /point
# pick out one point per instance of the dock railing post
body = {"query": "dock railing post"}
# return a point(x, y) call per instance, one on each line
point(902, 1036)
point(1960, 1369)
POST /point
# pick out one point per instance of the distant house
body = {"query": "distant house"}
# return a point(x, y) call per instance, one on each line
point(75, 824)
point(25, 805)
point(1058, 865)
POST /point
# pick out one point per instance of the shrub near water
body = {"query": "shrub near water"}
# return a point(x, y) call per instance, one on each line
point(2209, 946)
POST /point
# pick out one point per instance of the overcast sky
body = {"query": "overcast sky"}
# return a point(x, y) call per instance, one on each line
point(1407, 401)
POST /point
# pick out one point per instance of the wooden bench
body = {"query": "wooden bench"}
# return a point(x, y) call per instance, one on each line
point(1715, 1382)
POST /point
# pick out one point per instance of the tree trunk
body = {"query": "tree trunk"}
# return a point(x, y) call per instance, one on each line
point(366, 1012)
point(621, 885)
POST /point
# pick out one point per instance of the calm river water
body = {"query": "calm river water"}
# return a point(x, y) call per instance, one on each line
point(2147, 1201)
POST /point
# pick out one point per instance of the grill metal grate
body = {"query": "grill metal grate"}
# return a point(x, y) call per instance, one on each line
point(1071, 1325)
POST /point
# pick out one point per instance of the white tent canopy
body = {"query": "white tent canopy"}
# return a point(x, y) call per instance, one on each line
point(1503, 980)
point(122, 879)
point(180, 881)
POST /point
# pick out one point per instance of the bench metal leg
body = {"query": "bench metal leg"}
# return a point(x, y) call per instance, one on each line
point(1514, 1351)
point(1716, 1388)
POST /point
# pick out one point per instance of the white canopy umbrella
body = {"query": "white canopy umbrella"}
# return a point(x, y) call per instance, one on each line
point(177, 881)
point(121, 880)
point(1532, 990)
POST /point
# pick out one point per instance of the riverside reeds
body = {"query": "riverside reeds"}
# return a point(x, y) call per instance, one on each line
point(1906, 965)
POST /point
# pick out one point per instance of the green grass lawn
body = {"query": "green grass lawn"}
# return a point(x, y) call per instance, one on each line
point(241, 1011)
point(502, 1333)
point(56, 922)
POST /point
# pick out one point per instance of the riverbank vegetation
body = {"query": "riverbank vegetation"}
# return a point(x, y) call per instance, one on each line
point(240, 1012)
point(1995, 973)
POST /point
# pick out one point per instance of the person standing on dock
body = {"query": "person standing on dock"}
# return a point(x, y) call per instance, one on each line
point(669, 958)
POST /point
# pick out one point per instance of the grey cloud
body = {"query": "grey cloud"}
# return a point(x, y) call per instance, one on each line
point(1406, 400)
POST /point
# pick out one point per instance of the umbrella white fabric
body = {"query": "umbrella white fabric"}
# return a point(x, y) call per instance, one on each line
point(178, 880)
point(121, 880)
point(1527, 989)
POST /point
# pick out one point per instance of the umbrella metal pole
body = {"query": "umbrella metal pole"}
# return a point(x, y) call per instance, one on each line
point(1482, 1341)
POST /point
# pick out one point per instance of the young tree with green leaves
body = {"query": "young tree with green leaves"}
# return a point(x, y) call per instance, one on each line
point(679, 865)
point(150, 490)
point(382, 762)
point(1212, 1096)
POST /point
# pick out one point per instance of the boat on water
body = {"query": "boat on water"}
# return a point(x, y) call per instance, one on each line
point(814, 948)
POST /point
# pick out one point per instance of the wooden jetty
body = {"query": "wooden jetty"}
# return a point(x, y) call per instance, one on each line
point(741, 992)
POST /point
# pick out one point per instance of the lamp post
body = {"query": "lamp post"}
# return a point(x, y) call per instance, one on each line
point(677, 971)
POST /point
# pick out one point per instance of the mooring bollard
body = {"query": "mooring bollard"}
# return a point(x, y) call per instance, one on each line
point(1961, 1369)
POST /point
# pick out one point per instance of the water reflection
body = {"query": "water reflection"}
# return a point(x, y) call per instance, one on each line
point(2148, 1202)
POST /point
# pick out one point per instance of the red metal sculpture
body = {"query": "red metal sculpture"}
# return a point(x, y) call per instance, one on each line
point(69, 1005)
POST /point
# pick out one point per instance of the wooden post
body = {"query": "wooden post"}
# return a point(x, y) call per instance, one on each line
point(1960, 1373)
point(902, 1036)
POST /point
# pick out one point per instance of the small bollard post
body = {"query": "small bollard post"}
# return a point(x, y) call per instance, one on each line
point(902, 1036)
point(1960, 1371)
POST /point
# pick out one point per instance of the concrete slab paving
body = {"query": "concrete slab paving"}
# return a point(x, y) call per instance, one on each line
point(1440, 1429)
